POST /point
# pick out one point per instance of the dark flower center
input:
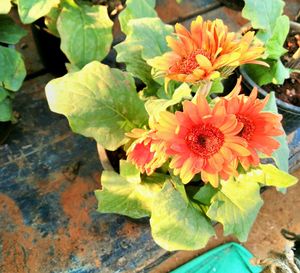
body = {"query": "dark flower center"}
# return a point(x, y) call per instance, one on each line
point(204, 140)
point(248, 129)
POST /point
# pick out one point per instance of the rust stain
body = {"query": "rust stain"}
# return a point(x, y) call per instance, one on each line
point(24, 249)
point(130, 230)
point(168, 10)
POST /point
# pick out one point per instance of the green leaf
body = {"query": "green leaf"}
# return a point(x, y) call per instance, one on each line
point(281, 155)
point(155, 106)
point(123, 197)
point(274, 46)
point(146, 39)
point(5, 6)
point(129, 172)
point(150, 34)
point(236, 206)
point(269, 175)
point(205, 194)
point(10, 32)
point(99, 102)
point(262, 75)
point(85, 32)
point(51, 20)
point(263, 14)
point(132, 57)
point(136, 9)
point(177, 224)
point(217, 87)
point(6, 110)
point(276, 177)
point(3, 94)
point(12, 72)
point(31, 10)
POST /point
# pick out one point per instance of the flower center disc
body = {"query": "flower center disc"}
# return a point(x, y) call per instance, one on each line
point(204, 140)
point(248, 129)
point(189, 63)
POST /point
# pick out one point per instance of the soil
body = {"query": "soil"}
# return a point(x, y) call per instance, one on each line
point(289, 92)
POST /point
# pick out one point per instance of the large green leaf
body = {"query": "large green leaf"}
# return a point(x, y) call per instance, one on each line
point(129, 172)
point(85, 32)
point(145, 40)
point(10, 32)
point(269, 175)
point(274, 46)
point(31, 10)
point(136, 9)
point(281, 155)
point(263, 14)
point(99, 102)
point(236, 206)
point(6, 110)
point(150, 34)
point(51, 20)
point(132, 57)
point(205, 194)
point(262, 75)
point(12, 72)
point(178, 224)
point(5, 6)
point(121, 196)
point(276, 177)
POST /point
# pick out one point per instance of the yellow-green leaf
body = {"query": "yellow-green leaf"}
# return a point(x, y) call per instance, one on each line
point(176, 223)
point(99, 102)
point(85, 32)
point(236, 206)
point(31, 10)
point(5, 6)
point(121, 196)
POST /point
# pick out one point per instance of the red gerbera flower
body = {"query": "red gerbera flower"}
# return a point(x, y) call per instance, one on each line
point(201, 140)
point(259, 127)
point(147, 152)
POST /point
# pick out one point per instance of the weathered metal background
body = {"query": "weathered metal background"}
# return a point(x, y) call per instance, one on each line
point(48, 218)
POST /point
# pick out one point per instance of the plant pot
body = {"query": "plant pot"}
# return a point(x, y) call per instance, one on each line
point(48, 47)
point(290, 113)
point(5, 129)
point(233, 4)
point(105, 161)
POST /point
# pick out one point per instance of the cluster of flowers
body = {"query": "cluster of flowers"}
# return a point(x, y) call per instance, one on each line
point(203, 139)
point(208, 141)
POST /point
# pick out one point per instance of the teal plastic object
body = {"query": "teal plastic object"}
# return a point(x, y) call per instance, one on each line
point(228, 258)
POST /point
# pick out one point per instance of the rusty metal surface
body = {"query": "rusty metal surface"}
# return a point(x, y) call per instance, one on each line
point(172, 12)
point(48, 218)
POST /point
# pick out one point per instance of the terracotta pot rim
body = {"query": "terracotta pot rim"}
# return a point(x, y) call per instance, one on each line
point(104, 160)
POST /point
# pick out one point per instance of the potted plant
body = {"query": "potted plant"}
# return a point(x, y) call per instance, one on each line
point(188, 161)
point(281, 39)
point(12, 71)
point(82, 29)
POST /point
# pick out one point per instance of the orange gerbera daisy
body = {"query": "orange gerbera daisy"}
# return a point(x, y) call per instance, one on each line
point(259, 127)
point(147, 152)
point(201, 140)
point(206, 52)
